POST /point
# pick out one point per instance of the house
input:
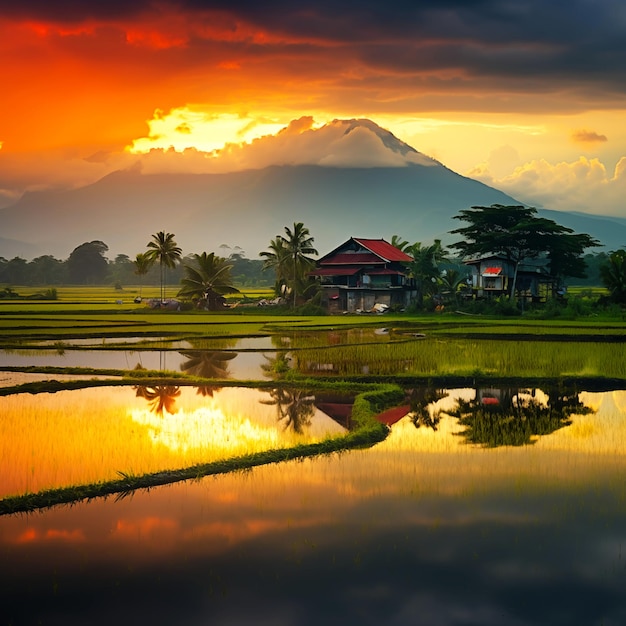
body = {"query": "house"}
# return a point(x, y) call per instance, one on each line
point(493, 276)
point(363, 275)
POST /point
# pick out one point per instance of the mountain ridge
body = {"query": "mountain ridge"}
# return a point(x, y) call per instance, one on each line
point(416, 200)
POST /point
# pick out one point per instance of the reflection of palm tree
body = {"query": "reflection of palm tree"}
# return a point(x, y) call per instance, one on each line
point(160, 397)
point(294, 407)
point(419, 400)
point(510, 417)
point(207, 364)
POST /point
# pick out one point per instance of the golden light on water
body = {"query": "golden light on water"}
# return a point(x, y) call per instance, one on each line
point(185, 431)
point(90, 435)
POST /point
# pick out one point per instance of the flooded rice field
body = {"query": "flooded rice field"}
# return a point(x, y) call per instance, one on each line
point(444, 522)
point(491, 505)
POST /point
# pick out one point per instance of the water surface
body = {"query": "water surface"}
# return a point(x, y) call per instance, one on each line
point(424, 528)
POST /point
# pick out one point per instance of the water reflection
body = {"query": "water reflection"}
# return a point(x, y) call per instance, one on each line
point(88, 435)
point(207, 363)
point(421, 401)
point(294, 407)
point(507, 536)
point(276, 365)
point(509, 416)
point(160, 397)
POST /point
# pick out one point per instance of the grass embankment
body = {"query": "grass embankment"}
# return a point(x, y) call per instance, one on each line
point(367, 433)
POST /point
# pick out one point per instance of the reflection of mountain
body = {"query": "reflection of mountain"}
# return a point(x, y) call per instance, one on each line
point(515, 417)
point(160, 397)
point(295, 407)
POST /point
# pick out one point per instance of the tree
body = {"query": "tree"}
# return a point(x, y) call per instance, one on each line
point(518, 234)
point(424, 269)
point(87, 264)
point(206, 279)
point(164, 249)
point(15, 271)
point(46, 270)
point(288, 257)
point(449, 282)
point(613, 274)
point(277, 259)
point(299, 244)
point(142, 264)
point(398, 242)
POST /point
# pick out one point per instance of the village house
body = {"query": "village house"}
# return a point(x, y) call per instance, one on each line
point(493, 276)
point(364, 275)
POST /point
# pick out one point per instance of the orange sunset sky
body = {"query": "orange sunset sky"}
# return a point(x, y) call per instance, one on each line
point(528, 95)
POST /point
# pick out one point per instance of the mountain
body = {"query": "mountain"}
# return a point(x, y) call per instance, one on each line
point(416, 199)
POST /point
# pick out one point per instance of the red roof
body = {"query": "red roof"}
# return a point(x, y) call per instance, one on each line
point(391, 416)
point(352, 258)
point(384, 249)
point(492, 271)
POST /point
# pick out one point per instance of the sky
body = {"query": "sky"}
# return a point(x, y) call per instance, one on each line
point(528, 96)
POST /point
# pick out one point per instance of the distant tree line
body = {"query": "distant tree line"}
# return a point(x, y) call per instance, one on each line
point(204, 278)
point(88, 264)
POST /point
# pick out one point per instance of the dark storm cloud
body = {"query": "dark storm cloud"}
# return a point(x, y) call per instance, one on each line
point(569, 41)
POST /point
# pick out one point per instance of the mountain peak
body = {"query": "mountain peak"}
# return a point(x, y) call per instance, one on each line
point(387, 137)
point(342, 143)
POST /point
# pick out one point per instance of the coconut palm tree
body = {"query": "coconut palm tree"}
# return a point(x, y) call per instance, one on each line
point(164, 249)
point(277, 259)
point(207, 279)
point(142, 264)
point(398, 242)
point(613, 274)
point(298, 243)
point(425, 266)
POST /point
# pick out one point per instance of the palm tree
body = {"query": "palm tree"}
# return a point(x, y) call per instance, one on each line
point(425, 266)
point(207, 279)
point(613, 274)
point(277, 259)
point(450, 281)
point(164, 249)
point(142, 264)
point(398, 242)
point(298, 243)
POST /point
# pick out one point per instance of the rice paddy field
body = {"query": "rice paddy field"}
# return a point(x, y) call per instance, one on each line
point(249, 467)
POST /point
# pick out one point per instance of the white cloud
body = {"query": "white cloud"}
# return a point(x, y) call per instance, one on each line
point(582, 185)
point(342, 143)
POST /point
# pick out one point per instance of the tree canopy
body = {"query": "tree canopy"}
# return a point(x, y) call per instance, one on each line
point(516, 233)
point(288, 256)
point(164, 249)
point(613, 274)
point(207, 278)
point(87, 264)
